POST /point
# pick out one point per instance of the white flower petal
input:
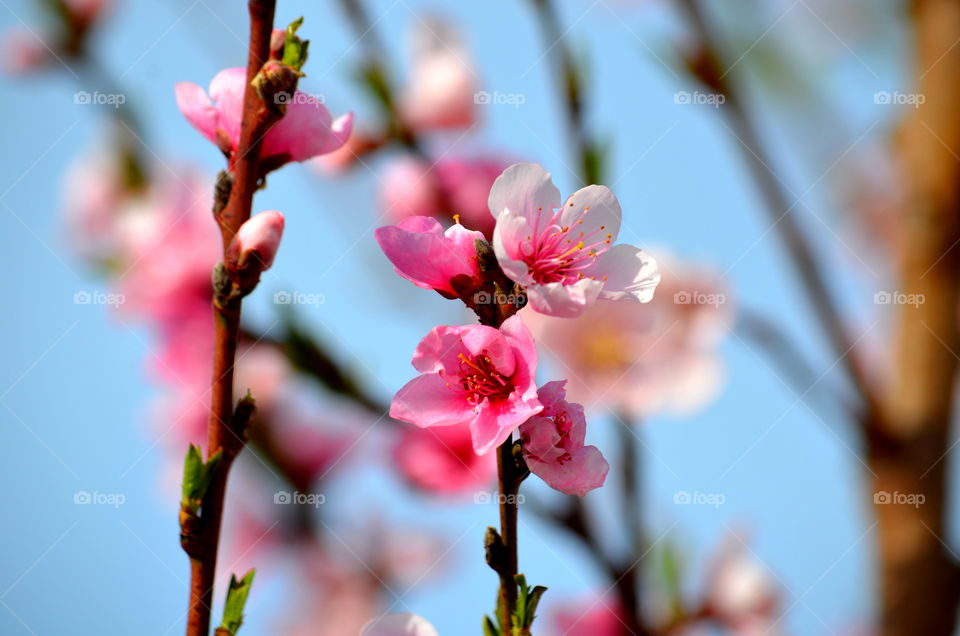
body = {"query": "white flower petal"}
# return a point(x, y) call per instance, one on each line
point(523, 188)
point(399, 625)
point(627, 272)
point(602, 216)
point(564, 301)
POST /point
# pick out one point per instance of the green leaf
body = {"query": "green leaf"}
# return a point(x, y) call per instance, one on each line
point(197, 476)
point(295, 49)
point(236, 600)
point(527, 600)
point(192, 469)
point(489, 627)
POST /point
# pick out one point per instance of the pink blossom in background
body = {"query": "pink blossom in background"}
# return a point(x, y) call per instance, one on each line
point(306, 130)
point(257, 241)
point(331, 599)
point(430, 258)
point(645, 359)
point(441, 460)
point(346, 156)
point(553, 444)
point(170, 246)
point(399, 625)
point(440, 90)
point(410, 188)
point(565, 256)
point(93, 201)
point(474, 375)
point(741, 592)
point(590, 617)
point(23, 53)
point(451, 186)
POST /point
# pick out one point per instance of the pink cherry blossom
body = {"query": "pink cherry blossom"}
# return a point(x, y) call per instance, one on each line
point(399, 625)
point(95, 196)
point(306, 130)
point(257, 241)
point(430, 258)
point(440, 91)
point(553, 444)
point(590, 617)
point(649, 359)
point(564, 255)
point(169, 247)
point(441, 460)
point(741, 592)
point(451, 186)
point(474, 375)
point(23, 52)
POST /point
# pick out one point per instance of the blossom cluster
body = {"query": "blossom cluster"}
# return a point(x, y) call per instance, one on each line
point(481, 379)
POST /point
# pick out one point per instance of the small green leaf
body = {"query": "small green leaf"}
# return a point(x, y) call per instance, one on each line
point(192, 468)
point(295, 49)
point(197, 476)
point(236, 600)
point(489, 627)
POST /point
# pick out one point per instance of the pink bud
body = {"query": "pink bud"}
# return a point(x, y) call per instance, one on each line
point(256, 243)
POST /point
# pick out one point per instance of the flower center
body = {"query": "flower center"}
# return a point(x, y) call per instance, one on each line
point(560, 253)
point(480, 380)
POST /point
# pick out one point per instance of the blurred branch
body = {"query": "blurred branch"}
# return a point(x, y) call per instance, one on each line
point(570, 88)
point(310, 357)
point(376, 74)
point(919, 577)
point(706, 65)
point(792, 363)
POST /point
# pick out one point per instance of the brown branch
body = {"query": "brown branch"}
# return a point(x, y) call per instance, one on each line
point(257, 119)
point(570, 88)
point(919, 582)
point(706, 65)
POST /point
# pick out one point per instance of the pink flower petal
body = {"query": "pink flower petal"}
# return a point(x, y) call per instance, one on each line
point(197, 108)
point(428, 258)
point(426, 401)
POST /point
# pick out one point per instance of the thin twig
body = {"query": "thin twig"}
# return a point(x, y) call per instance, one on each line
point(221, 437)
point(707, 67)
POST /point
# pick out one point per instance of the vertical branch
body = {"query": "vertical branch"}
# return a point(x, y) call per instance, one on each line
point(222, 436)
point(508, 487)
point(708, 68)
point(919, 581)
point(629, 580)
point(570, 89)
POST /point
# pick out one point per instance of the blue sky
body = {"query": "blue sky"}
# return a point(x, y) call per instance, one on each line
point(75, 396)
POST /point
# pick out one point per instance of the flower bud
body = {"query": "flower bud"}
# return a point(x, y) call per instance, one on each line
point(276, 84)
point(255, 245)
